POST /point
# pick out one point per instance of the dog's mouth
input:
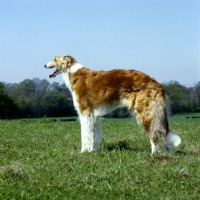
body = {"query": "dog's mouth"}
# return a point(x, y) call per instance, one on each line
point(54, 73)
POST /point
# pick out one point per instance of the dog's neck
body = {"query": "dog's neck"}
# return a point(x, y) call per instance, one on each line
point(74, 68)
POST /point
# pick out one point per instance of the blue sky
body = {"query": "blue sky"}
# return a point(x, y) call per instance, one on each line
point(158, 37)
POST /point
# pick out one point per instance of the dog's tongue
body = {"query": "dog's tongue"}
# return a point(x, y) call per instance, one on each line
point(52, 75)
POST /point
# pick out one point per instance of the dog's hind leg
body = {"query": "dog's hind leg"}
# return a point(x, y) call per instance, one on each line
point(152, 116)
point(146, 125)
point(97, 132)
point(154, 143)
point(145, 112)
point(90, 133)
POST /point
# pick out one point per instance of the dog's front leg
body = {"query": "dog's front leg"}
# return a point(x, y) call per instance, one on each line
point(90, 133)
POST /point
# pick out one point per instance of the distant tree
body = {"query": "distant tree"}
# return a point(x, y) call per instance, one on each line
point(9, 106)
point(41, 87)
point(26, 88)
point(26, 91)
point(178, 96)
point(26, 110)
point(10, 88)
point(54, 104)
point(196, 96)
point(56, 86)
point(30, 93)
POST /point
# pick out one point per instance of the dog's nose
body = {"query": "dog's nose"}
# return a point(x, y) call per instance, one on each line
point(45, 66)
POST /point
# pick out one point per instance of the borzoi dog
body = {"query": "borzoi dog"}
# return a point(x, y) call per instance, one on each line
point(96, 93)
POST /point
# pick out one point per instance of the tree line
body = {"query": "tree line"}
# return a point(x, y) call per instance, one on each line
point(35, 98)
point(39, 98)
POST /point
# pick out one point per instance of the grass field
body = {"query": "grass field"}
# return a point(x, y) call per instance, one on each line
point(41, 159)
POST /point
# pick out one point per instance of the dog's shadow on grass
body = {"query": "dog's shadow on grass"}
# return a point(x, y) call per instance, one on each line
point(184, 153)
point(180, 153)
point(122, 145)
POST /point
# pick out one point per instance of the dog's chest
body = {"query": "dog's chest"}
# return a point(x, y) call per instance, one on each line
point(65, 77)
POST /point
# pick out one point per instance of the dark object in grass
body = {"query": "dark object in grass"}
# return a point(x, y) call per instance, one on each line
point(67, 120)
point(194, 117)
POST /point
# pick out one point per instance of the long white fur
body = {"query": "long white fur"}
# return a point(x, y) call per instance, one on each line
point(75, 68)
point(171, 141)
point(72, 69)
point(154, 149)
point(90, 133)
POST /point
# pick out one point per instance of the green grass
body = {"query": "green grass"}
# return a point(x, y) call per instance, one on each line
point(41, 159)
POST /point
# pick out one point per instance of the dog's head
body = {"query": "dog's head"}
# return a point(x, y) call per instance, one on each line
point(61, 63)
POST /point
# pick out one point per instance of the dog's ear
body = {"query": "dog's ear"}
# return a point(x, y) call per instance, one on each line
point(67, 60)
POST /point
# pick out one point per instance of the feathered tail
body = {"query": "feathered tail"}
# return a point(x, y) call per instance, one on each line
point(171, 141)
point(161, 125)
